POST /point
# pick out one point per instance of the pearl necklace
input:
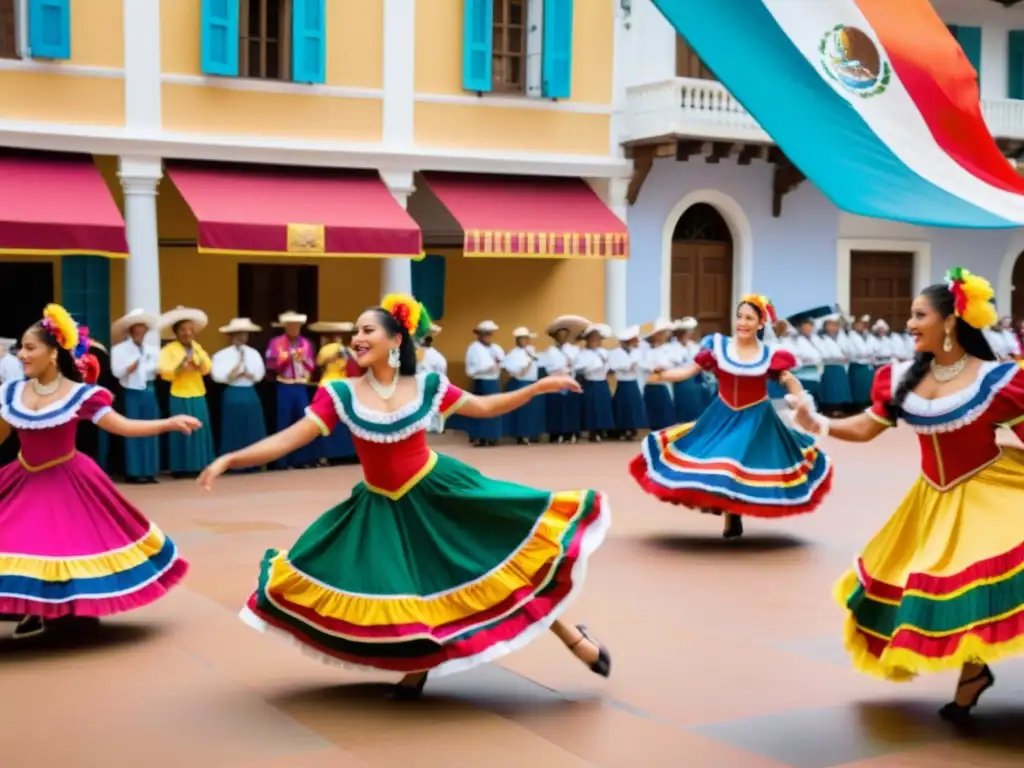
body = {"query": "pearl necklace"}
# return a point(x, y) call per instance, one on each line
point(45, 390)
point(386, 392)
point(944, 373)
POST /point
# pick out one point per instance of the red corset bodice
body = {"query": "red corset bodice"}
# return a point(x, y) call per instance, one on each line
point(391, 467)
point(949, 457)
point(741, 391)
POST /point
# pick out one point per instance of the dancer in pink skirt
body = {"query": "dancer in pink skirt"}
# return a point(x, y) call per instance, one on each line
point(71, 547)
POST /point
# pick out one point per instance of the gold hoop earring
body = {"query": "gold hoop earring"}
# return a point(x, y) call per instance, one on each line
point(947, 343)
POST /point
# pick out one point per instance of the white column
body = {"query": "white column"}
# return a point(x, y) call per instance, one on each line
point(139, 179)
point(399, 72)
point(613, 193)
point(396, 273)
point(142, 64)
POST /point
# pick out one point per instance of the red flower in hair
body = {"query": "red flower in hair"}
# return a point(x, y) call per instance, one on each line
point(89, 367)
point(959, 297)
point(401, 314)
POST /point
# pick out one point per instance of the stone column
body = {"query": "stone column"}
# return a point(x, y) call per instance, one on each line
point(139, 179)
point(613, 193)
point(396, 273)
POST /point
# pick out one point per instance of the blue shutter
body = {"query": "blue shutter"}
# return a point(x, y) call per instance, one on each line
point(428, 278)
point(220, 38)
point(85, 293)
point(556, 53)
point(477, 45)
point(49, 29)
point(1015, 75)
point(970, 41)
point(309, 42)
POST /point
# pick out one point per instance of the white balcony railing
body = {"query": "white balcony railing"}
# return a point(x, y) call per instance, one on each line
point(704, 109)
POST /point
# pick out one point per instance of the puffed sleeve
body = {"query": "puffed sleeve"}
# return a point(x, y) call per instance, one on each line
point(782, 360)
point(322, 412)
point(97, 404)
point(1008, 405)
point(452, 397)
point(705, 358)
point(881, 396)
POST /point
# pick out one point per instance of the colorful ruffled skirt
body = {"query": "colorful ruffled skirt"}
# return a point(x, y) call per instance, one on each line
point(746, 461)
point(942, 584)
point(458, 571)
point(71, 544)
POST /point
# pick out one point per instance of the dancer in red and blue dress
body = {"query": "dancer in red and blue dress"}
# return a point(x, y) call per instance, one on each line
point(738, 458)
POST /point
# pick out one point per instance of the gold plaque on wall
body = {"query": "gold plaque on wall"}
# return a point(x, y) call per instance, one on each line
point(306, 238)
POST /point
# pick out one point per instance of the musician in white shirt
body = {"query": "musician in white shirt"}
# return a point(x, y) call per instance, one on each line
point(525, 423)
point(591, 366)
point(562, 409)
point(689, 397)
point(834, 391)
point(483, 367)
point(11, 368)
point(624, 362)
point(430, 359)
point(859, 347)
point(133, 362)
point(808, 357)
point(239, 368)
point(658, 394)
point(882, 348)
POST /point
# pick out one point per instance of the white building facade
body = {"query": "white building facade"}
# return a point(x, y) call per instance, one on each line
point(717, 211)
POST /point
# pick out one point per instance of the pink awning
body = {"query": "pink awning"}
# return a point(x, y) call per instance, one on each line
point(525, 216)
point(58, 206)
point(288, 212)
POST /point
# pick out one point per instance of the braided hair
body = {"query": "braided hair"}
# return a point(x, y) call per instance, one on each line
point(971, 339)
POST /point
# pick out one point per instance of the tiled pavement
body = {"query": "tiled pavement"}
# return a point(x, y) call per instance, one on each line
point(725, 654)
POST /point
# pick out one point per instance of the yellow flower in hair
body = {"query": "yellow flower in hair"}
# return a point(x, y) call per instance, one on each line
point(404, 308)
point(979, 311)
point(59, 322)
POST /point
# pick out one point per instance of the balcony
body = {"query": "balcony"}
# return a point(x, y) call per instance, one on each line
point(704, 109)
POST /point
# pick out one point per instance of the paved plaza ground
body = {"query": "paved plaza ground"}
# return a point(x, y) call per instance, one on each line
point(726, 654)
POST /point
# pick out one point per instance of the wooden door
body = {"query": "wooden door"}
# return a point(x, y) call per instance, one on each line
point(702, 284)
point(267, 290)
point(688, 63)
point(1017, 297)
point(882, 285)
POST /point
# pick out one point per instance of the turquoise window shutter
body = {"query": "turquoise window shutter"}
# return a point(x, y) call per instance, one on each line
point(49, 29)
point(428, 278)
point(556, 50)
point(970, 41)
point(477, 45)
point(309, 42)
point(219, 49)
point(85, 293)
point(1015, 76)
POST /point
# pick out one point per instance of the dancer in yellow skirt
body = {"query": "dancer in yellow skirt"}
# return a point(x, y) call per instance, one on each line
point(941, 586)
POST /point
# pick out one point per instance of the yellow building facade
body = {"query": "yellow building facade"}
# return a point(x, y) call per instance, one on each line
point(253, 156)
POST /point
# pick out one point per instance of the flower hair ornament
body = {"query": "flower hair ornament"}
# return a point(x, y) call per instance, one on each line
point(763, 303)
point(972, 298)
point(58, 323)
point(409, 313)
point(86, 362)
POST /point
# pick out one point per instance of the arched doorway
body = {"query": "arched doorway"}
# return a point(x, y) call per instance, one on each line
point(1017, 297)
point(702, 269)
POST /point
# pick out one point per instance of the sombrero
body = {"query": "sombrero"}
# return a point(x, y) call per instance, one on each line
point(168, 320)
point(574, 324)
point(322, 326)
point(290, 318)
point(240, 325)
point(119, 328)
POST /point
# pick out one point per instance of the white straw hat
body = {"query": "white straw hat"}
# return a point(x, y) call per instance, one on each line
point(168, 320)
point(240, 325)
point(322, 326)
point(657, 326)
point(486, 326)
point(119, 328)
point(628, 334)
point(573, 324)
point(522, 330)
point(290, 318)
point(600, 329)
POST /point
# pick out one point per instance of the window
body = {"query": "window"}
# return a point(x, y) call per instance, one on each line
point(518, 47)
point(509, 52)
point(8, 29)
point(265, 39)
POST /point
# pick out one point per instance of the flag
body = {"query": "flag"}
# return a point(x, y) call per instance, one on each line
point(873, 100)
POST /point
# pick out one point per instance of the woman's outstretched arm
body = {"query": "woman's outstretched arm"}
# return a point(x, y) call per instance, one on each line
point(301, 433)
point(862, 428)
point(676, 374)
point(490, 406)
